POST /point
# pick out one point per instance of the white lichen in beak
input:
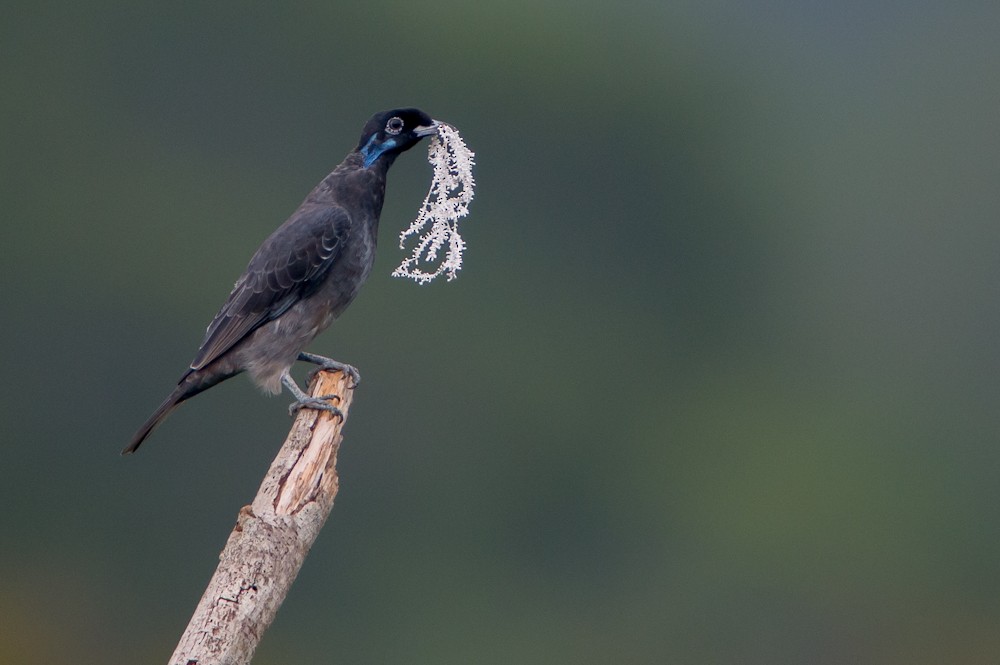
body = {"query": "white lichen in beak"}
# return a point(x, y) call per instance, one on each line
point(446, 202)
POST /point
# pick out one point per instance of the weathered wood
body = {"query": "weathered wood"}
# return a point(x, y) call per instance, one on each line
point(271, 539)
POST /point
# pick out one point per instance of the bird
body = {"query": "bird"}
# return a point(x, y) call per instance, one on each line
point(302, 277)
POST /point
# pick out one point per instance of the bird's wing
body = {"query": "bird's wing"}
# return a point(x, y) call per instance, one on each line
point(287, 267)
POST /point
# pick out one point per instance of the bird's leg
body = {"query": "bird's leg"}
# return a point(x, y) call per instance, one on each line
point(302, 400)
point(328, 363)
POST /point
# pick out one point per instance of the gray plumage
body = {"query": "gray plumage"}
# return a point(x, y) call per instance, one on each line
point(303, 276)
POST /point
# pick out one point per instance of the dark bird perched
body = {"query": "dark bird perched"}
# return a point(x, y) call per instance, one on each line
point(302, 277)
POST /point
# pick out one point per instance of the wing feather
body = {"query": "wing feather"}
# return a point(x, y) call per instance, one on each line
point(289, 265)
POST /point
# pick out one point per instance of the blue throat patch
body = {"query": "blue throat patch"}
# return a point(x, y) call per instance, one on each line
point(372, 151)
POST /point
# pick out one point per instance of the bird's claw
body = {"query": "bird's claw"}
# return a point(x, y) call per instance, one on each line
point(320, 403)
point(350, 370)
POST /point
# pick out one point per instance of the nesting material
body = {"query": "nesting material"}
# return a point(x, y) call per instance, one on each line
point(447, 201)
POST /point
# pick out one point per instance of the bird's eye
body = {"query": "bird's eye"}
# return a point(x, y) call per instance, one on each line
point(394, 126)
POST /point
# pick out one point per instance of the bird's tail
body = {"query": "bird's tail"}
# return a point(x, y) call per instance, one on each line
point(158, 416)
point(190, 385)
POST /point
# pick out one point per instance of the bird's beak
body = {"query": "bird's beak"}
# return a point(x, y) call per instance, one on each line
point(427, 130)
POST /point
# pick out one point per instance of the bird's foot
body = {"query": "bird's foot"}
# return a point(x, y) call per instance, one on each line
point(305, 401)
point(320, 403)
point(331, 364)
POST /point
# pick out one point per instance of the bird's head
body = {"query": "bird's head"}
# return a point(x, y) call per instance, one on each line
point(390, 133)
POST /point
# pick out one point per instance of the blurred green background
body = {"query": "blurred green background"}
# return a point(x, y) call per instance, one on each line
point(718, 383)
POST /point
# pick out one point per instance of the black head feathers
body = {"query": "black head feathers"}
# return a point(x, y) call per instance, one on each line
point(390, 133)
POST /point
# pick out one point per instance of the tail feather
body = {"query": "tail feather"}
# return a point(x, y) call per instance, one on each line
point(190, 385)
point(158, 416)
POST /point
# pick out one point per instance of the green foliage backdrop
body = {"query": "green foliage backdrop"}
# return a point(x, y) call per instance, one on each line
point(718, 383)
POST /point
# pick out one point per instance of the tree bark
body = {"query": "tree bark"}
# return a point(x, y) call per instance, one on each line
point(271, 539)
